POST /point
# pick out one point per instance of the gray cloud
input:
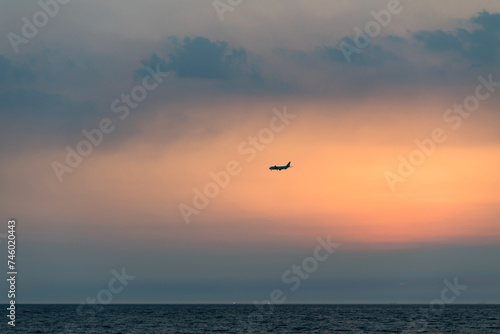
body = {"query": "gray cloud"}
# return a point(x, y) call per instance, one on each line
point(479, 45)
point(201, 58)
point(59, 92)
point(216, 67)
point(30, 116)
point(372, 55)
point(12, 74)
point(37, 118)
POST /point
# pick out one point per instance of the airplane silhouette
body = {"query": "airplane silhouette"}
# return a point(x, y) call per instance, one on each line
point(280, 167)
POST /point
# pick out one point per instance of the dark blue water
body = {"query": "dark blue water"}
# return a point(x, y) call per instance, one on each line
point(248, 319)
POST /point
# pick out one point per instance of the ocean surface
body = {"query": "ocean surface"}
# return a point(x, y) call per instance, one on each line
point(249, 319)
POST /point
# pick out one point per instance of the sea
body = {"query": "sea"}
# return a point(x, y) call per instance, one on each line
point(303, 318)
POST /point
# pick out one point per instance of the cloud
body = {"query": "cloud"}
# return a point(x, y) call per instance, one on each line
point(201, 58)
point(490, 22)
point(372, 55)
point(479, 45)
point(30, 112)
point(11, 74)
point(217, 67)
point(42, 94)
point(155, 62)
point(31, 118)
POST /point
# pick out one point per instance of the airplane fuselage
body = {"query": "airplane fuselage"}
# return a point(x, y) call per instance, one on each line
point(279, 167)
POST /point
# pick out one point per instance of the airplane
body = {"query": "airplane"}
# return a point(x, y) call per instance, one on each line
point(280, 167)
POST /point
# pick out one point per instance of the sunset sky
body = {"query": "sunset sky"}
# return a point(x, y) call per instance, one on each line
point(175, 92)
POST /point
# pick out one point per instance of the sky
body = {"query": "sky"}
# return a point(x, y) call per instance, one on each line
point(136, 138)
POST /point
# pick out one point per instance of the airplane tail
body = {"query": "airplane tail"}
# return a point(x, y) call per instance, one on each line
point(288, 165)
